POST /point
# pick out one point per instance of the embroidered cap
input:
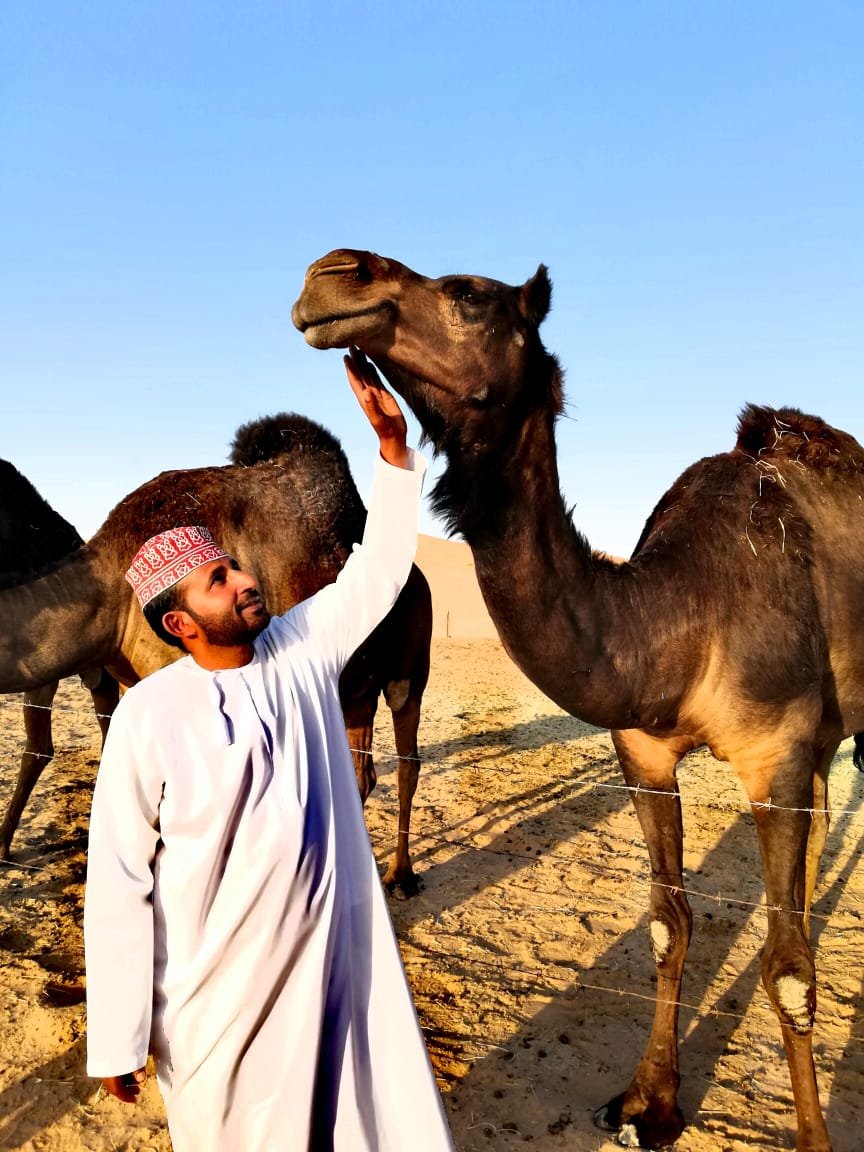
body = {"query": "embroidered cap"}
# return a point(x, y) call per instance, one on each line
point(169, 556)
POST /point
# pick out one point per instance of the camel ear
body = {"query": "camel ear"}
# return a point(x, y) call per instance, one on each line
point(537, 295)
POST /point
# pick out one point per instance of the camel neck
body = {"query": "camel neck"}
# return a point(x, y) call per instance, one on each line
point(546, 591)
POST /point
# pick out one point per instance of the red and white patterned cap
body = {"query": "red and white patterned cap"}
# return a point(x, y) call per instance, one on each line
point(169, 556)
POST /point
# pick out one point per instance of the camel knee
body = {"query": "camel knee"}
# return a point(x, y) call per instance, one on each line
point(796, 1002)
point(670, 926)
point(396, 693)
point(669, 942)
point(661, 940)
point(789, 979)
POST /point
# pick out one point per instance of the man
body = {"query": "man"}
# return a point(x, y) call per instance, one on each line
point(234, 922)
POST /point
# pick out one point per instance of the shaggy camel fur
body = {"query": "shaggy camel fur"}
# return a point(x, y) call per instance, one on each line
point(735, 624)
point(289, 511)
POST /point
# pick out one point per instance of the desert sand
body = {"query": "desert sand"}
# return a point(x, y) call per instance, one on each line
point(526, 948)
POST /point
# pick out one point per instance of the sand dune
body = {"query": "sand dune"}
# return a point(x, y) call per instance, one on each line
point(457, 605)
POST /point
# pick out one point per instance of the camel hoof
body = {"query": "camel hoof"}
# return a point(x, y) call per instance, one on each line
point(640, 1131)
point(406, 884)
point(603, 1119)
point(64, 993)
point(626, 1136)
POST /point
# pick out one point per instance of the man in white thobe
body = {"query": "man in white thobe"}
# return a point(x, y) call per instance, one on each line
point(235, 925)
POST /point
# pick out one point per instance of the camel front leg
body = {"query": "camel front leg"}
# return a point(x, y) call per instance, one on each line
point(37, 755)
point(790, 841)
point(646, 1114)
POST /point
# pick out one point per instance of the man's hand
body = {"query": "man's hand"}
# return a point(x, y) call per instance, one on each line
point(127, 1087)
point(380, 406)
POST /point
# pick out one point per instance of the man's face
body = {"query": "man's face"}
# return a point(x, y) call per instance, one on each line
point(224, 602)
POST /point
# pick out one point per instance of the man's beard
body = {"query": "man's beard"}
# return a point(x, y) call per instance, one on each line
point(232, 629)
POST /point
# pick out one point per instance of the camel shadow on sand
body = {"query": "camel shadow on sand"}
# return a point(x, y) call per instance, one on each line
point(583, 1023)
point(577, 1016)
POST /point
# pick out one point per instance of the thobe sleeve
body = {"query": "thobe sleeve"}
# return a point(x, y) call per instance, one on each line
point(118, 903)
point(342, 615)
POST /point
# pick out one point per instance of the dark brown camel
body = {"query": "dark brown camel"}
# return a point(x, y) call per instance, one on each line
point(291, 518)
point(394, 660)
point(735, 624)
point(34, 539)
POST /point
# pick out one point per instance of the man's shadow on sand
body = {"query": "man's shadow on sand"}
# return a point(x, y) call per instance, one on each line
point(43, 1096)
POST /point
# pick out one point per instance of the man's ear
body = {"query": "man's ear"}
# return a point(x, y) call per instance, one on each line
point(179, 624)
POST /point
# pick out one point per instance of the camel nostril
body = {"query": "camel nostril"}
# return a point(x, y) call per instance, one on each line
point(338, 262)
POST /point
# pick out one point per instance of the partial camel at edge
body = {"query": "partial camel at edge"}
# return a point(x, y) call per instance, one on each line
point(735, 624)
point(33, 539)
point(288, 509)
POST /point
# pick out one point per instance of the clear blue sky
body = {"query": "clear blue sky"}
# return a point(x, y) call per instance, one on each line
point(692, 174)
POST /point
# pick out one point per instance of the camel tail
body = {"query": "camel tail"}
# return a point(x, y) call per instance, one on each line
point(286, 433)
point(858, 751)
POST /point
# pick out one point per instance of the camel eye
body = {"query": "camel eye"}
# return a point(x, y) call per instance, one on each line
point(464, 292)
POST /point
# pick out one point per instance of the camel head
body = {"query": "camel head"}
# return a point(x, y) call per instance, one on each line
point(464, 352)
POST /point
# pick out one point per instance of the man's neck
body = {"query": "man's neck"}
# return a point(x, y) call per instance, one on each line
point(216, 658)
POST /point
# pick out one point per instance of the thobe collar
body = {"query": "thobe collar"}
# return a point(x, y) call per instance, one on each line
point(218, 693)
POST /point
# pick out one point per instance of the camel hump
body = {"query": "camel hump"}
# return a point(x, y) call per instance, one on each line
point(286, 433)
point(34, 538)
point(790, 433)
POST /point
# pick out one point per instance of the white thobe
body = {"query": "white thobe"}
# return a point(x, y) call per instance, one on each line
point(234, 921)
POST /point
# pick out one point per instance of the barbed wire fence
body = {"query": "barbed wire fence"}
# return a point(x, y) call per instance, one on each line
point(632, 890)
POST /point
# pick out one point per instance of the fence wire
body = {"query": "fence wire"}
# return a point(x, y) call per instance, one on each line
point(546, 981)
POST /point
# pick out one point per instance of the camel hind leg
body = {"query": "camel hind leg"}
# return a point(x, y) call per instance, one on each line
point(404, 702)
point(791, 831)
point(359, 713)
point(105, 693)
point(819, 824)
point(646, 1114)
point(406, 639)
